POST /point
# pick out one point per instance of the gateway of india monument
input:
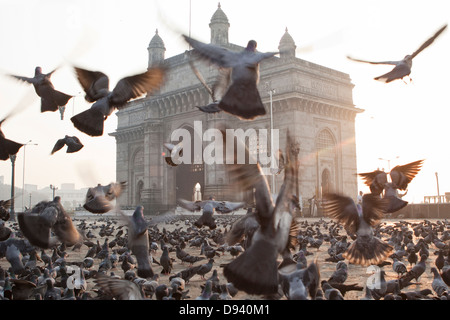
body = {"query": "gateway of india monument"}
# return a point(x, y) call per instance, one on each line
point(312, 101)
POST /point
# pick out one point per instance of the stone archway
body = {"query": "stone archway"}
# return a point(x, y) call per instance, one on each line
point(189, 174)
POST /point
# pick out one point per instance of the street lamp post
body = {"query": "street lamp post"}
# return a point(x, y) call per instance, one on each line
point(439, 196)
point(54, 188)
point(23, 172)
point(12, 157)
point(272, 157)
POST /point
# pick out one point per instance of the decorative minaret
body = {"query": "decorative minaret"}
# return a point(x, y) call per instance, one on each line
point(287, 46)
point(219, 27)
point(156, 50)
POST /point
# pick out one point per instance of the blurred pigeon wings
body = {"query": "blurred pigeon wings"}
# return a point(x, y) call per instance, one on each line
point(96, 86)
point(99, 199)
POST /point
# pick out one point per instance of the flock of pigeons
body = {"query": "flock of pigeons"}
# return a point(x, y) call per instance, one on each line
point(256, 240)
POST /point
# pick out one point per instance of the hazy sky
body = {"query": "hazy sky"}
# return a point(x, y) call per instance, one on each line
point(408, 121)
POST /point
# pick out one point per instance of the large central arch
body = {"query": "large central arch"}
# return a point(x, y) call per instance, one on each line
point(188, 175)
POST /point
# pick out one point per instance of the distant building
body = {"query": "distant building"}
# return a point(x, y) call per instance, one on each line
point(314, 102)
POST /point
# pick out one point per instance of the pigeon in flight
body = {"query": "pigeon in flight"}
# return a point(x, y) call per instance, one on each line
point(73, 144)
point(47, 218)
point(96, 86)
point(402, 67)
point(218, 88)
point(51, 99)
point(400, 177)
point(241, 98)
point(209, 208)
point(360, 219)
point(99, 199)
point(255, 271)
point(7, 147)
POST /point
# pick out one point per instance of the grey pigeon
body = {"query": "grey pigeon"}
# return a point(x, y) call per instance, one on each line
point(166, 261)
point(360, 219)
point(99, 199)
point(242, 98)
point(255, 271)
point(51, 99)
point(300, 283)
point(14, 258)
point(96, 86)
point(340, 274)
point(331, 293)
point(138, 242)
point(209, 207)
point(402, 67)
point(47, 217)
point(72, 142)
point(438, 285)
point(5, 232)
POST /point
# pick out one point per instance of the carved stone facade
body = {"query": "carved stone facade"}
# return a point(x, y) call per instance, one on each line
point(312, 101)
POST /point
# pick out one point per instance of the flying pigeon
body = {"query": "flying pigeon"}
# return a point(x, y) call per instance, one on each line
point(99, 199)
point(242, 98)
point(73, 144)
point(209, 207)
point(255, 271)
point(360, 219)
point(47, 218)
point(400, 177)
point(402, 67)
point(96, 86)
point(51, 99)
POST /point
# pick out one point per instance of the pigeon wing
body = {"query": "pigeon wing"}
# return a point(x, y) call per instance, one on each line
point(58, 145)
point(375, 62)
point(374, 208)
point(134, 86)
point(120, 289)
point(342, 209)
point(94, 83)
point(375, 180)
point(429, 41)
point(402, 175)
point(215, 54)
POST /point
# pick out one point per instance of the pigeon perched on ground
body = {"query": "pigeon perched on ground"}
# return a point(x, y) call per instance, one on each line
point(300, 283)
point(402, 67)
point(47, 217)
point(51, 99)
point(73, 144)
point(138, 242)
point(209, 207)
point(7, 147)
point(242, 98)
point(96, 86)
point(438, 285)
point(255, 271)
point(360, 219)
point(99, 199)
